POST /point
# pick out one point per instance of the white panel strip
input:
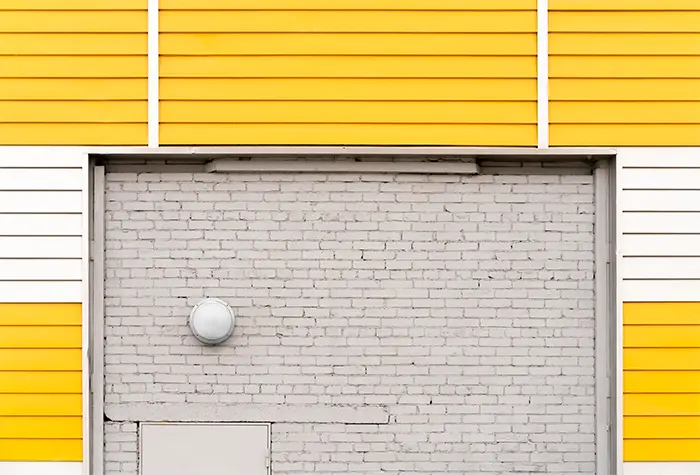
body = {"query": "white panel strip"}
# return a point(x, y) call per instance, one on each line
point(660, 290)
point(40, 201)
point(40, 179)
point(659, 157)
point(661, 200)
point(40, 269)
point(661, 468)
point(660, 245)
point(542, 73)
point(40, 225)
point(153, 74)
point(40, 247)
point(659, 223)
point(661, 178)
point(40, 157)
point(40, 468)
point(86, 327)
point(31, 292)
point(661, 268)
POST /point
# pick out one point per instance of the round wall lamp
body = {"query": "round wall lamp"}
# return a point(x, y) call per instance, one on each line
point(212, 321)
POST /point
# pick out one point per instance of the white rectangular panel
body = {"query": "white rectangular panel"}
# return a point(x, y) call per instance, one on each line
point(659, 157)
point(40, 269)
point(40, 201)
point(40, 225)
point(31, 292)
point(38, 247)
point(661, 268)
point(40, 157)
point(661, 290)
point(661, 468)
point(661, 178)
point(661, 223)
point(661, 200)
point(41, 468)
point(40, 179)
point(221, 449)
point(660, 245)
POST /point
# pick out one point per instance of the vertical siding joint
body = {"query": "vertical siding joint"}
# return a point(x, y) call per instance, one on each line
point(153, 74)
point(542, 73)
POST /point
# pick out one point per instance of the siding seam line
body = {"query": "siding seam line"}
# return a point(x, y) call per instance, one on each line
point(153, 74)
point(542, 73)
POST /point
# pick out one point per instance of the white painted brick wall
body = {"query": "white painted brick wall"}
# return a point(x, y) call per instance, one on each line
point(462, 305)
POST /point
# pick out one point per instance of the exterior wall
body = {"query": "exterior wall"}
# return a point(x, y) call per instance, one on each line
point(385, 324)
point(40, 309)
point(73, 72)
point(660, 249)
point(348, 72)
point(624, 72)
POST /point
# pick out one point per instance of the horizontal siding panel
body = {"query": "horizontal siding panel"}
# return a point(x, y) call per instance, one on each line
point(348, 67)
point(452, 112)
point(37, 450)
point(627, 67)
point(40, 428)
point(662, 427)
point(350, 21)
point(39, 360)
point(38, 179)
point(13, 21)
point(340, 89)
point(73, 89)
point(33, 67)
point(340, 44)
point(661, 359)
point(55, 291)
point(661, 336)
point(625, 112)
point(621, 135)
point(627, 21)
point(41, 157)
point(624, 89)
point(41, 224)
point(73, 134)
point(40, 201)
point(622, 5)
point(661, 268)
point(23, 314)
point(661, 179)
point(29, 247)
point(73, 112)
point(40, 382)
point(661, 223)
point(73, 5)
point(661, 382)
point(69, 44)
point(653, 450)
point(660, 290)
point(661, 200)
point(660, 245)
point(329, 134)
point(41, 337)
point(643, 44)
point(665, 313)
point(342, 5)
point(661, 404)
point(676, 157)
point(40, 269)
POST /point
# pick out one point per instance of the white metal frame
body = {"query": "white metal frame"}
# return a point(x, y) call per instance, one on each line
point(153, 75)
point(542, 73)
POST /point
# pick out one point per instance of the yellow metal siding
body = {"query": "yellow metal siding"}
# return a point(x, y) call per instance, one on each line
point(73, 72)
point(661, 363)
point(381, 72)
point(624, 72)
point(40, 382)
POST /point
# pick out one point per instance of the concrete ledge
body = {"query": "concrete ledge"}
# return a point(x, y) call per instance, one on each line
point(194, 412)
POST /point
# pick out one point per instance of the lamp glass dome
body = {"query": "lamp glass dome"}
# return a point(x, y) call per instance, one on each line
point(212, 321)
